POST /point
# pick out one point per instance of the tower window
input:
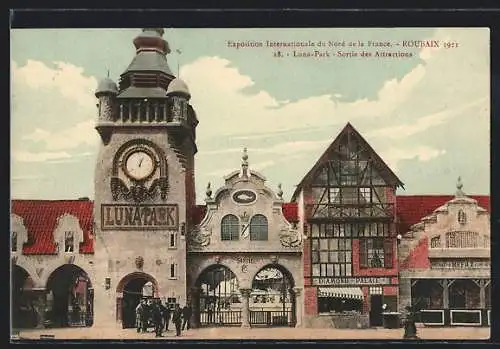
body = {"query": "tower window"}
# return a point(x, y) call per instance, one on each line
point(173, 240)
point(258, 228)
point(462, 218)
point(14, 241)
point(230, 228)
point(69, 242)
point(173, 270)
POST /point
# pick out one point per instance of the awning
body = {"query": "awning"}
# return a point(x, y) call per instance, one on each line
point(341, 292)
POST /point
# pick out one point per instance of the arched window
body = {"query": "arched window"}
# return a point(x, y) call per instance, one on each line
point(462, 218)
point(258, 228)
point(230, 228)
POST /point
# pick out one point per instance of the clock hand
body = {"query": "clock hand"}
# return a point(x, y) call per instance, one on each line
point(140, 162)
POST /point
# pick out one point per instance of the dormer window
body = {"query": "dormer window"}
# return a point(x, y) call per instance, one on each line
point(13, 242)
point(258, 228)
point(462, 218)
point(230, 228)
point(69, 241)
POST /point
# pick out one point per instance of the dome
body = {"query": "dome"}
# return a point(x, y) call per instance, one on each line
point(178, 86)
point(106, 86)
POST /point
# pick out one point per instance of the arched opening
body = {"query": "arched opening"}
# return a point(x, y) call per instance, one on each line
point(131, 290)
point(70, 302)
point(272, 300)
point(219, 299)
point(464, 294)
point(24, 314)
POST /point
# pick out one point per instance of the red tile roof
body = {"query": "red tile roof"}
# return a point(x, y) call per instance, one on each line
point(291, 212)
point(199, 213)
point(411, 208)
point(40, 219)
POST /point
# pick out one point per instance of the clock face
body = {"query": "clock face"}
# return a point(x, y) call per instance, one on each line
point(139, 165)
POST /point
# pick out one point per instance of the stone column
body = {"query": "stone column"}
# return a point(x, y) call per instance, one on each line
point(40, 305)
point(195, 306)
point(299, 305)
point(404, 293)
point(245, 307)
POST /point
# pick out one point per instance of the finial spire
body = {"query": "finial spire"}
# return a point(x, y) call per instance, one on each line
point(108, 73)
point(244, 162)
point(459, 193)
point(208, 192)
point(280, 192)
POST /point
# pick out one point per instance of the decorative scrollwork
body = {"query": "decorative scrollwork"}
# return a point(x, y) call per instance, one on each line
point(139, 192)
point(199, 238)
point(290, 237)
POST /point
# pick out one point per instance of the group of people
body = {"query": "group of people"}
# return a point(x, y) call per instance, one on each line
point(160, 315)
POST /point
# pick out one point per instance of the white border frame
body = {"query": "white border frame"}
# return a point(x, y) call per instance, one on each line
point(489, 317)
point(434, 311)
point(465, 323)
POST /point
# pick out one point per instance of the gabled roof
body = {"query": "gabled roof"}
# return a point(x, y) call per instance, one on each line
point(385, 171)
point(410, 209)
point(40, 219)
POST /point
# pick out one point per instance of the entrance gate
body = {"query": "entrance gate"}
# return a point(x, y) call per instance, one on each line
point(219, 299)
point(272, 301)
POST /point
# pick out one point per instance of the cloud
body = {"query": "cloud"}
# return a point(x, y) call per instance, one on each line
point(25, 156)
point(393, 156)
point(68, 80)
point(72, 137)
point(425, 122)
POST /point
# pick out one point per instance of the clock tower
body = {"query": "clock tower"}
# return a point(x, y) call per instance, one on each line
point(144, 184)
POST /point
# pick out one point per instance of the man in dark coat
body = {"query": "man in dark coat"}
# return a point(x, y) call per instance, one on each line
point(166, 315)
point(186, 315)
point(177, 319)
point(157, 316)
point(146, 313)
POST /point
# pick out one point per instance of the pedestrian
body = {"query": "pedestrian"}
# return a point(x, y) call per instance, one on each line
point(166, 315)
point(145, 316)
point(138, 316)
point(186, 315)
point(157, 316)
point(210, 311)
point(177, 319)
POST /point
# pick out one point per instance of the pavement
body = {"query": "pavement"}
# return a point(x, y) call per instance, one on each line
point(218, 333)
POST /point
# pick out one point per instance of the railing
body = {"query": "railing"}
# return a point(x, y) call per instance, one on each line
point(432, 317)
point(271, 318)
point(78, 319)
point(465, 317)
point(220, 318)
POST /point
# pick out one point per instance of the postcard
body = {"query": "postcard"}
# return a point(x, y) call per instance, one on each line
point(253, 183)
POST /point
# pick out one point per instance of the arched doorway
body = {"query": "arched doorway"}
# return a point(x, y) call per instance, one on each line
point(131, 290)
point(23, 310)
point(272, 300)
point(218, 301)
point(70, 302)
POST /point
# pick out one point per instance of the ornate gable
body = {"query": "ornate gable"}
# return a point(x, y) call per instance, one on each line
point(244, 215)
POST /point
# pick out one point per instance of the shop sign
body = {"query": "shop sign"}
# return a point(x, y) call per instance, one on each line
point(352, 281)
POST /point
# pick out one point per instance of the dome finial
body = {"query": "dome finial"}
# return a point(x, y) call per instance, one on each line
point(459, 193)
point(280, 192)
point(244, 162)
point(208, 192)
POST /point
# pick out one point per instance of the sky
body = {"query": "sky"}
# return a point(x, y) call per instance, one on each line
point(427, 116)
